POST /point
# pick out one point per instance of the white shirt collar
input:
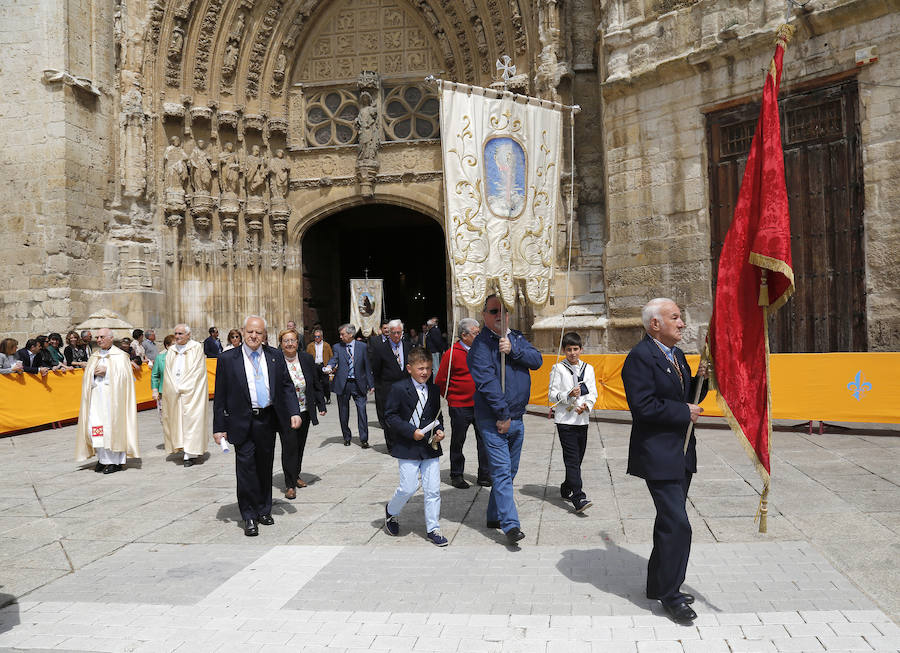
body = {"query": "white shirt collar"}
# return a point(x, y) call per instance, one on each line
point(419, 386)
point(248, 351)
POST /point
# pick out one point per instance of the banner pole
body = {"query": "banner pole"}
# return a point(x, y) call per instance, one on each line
point(704, 357)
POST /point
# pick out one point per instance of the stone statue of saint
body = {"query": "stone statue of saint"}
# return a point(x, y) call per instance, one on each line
point(281, 176)
point(229, 170)
point(176, 43)
point(257, 172)
point(367, 126)
point(280, 66)
point(229, 59)
point(201, 168)
point(237, 29)
point(175, 166)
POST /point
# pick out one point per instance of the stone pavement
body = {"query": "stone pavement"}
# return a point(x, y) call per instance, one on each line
point(154, 559)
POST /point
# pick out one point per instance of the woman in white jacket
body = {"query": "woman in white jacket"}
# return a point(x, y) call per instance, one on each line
point(573, 391)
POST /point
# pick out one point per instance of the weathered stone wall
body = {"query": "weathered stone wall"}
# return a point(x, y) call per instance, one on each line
point(54, 134)
point(661, 71)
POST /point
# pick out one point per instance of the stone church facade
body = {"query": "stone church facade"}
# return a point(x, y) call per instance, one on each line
point(165, 158)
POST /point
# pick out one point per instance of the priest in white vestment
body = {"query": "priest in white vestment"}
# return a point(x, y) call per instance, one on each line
point(185, 397)
point(107, 422)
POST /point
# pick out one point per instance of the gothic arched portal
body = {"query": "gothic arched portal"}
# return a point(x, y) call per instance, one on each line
point(381, 241)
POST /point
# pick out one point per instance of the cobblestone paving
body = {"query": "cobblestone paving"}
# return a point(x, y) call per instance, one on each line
point(154, 559)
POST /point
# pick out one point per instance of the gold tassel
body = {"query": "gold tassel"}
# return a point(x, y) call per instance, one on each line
point(762, 512)
point(764, 288)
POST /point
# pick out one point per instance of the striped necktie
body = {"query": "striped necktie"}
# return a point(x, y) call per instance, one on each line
point(420, 406)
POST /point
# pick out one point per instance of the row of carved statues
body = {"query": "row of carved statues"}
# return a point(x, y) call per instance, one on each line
point(199, 171)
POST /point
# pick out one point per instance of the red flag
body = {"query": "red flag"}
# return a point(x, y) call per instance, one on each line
point(754, 280)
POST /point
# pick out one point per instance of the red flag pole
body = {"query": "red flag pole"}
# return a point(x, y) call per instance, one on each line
point(755, 278)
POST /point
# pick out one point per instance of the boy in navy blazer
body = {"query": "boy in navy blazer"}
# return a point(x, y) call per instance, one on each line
point(413, 404)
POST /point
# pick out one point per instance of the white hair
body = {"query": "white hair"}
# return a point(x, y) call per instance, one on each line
point(256, 317)
point(395, 323)
point(465, 326)
point(653, 309)
point(347, 328)
point(187, 328)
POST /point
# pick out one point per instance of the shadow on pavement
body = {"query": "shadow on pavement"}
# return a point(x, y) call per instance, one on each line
point(614, 570)
point(9, 612)
point(542, 491)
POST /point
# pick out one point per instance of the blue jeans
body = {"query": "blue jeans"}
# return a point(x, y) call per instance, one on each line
point(503, 451)
point(430, 470)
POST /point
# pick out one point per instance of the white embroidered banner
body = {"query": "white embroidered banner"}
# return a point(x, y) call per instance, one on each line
point(366, 305)
point(501, 179)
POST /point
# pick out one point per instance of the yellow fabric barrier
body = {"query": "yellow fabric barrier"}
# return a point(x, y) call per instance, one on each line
point(839, 387)
point(844, 387)
point(28, 400)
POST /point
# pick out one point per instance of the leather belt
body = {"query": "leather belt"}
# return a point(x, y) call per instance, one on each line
point(261, 411)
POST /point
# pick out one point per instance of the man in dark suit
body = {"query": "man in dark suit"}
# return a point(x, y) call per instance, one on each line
point(254, 398)
point(212, 346)
point(352, 378)
point(659, 389)
point(374, 342)
point(32, 360)
point(389, 366)
point(435, 343)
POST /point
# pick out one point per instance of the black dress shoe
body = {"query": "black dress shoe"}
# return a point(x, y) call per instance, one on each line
point(680, 612)
point(111, 469)
point(687, 598)
point(459, 482)
point(485, 482)
point(99, 467)
point(188, 462)
point(492, 524)
point(364, 445)
point(514, 534)
point(346, 443)
point(266, 520)
point(250, 528)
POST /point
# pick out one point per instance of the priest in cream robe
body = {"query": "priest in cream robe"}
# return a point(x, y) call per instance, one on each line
point(107, 422)
point(185, 397)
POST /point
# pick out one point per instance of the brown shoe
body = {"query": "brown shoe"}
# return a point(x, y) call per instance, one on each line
point(291, 493)
point(300, 482)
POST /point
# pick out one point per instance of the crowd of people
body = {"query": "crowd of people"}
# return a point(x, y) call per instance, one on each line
point(46, 353)
point(262, 391)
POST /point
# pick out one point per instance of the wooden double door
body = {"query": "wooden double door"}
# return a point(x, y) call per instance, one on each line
point(823, 170)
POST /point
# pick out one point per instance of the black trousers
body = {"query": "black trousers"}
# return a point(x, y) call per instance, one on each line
point(460, 418)
point(382, 390)
point(671, 539)
point(293, 442)
point(352, 389)
point(325, 381)
point(573, 442)
point(253, 459)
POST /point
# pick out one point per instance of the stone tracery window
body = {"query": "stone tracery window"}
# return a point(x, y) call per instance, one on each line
point(331, 116)
point(410, 112)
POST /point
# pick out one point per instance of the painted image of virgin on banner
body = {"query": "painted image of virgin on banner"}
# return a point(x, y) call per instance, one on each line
point(505, 174)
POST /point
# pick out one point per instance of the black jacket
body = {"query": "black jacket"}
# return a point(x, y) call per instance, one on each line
point(400, 406)
point(231, 405)
point(660, 416)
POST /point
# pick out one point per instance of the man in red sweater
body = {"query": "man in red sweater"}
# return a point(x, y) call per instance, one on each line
point(459, 394)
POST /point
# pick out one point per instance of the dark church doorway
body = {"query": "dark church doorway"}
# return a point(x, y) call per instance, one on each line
point(381, 241)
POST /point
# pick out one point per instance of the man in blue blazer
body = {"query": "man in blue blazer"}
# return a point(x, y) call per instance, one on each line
point(660, 390)
point(254, 398)
point(352, 378)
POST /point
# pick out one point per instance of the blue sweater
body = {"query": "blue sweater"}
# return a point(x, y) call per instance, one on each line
point(492, 404)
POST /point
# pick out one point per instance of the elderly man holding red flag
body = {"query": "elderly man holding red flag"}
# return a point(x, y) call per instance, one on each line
point(660, 390)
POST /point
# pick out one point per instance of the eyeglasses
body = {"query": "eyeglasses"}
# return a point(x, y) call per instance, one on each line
point(493, 311)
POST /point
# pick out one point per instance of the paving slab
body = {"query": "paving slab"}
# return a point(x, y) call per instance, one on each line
point(154, 559)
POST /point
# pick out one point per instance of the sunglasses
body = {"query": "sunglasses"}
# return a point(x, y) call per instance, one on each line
point(493, 311)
